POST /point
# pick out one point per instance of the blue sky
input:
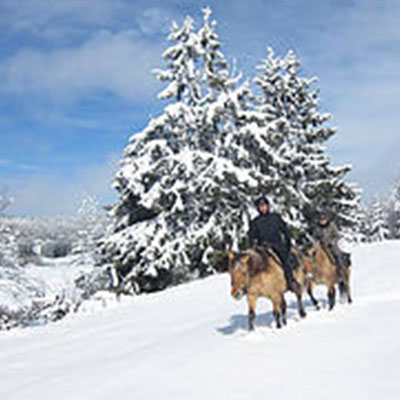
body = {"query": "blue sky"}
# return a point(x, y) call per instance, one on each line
point(76, 83)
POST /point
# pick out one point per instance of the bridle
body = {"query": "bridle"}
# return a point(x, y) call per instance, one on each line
point(247, 277)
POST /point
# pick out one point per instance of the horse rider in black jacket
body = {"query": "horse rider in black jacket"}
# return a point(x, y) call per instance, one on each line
point(268, 229)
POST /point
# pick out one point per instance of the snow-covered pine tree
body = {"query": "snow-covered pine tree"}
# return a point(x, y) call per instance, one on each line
point(294, 131)
point(362, 233)
point(393, 212)
point(378, 221)
point(91, 226)
point(181, 195)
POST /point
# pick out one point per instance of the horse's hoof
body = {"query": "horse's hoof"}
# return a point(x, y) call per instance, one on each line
point(303, 314)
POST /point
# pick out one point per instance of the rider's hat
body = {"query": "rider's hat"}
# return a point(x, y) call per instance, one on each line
point(262, 200)
point(323, 215)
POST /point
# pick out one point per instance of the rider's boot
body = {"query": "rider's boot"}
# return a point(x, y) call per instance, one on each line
point(293, 285)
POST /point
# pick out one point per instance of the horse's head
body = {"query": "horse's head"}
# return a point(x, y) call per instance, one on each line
point(238, 269)
point(309, 257)
point(311, 251)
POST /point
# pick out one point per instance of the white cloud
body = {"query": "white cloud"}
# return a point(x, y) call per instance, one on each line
point(66, 21)
point(116, 62)
point(154, 21)
point(28, 167)
point(351, 46)
point(355, 55)
point(83, 47)
point(38, 16)
point(52, 193)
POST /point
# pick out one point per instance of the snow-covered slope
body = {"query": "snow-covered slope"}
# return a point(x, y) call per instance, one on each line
point(191, 342)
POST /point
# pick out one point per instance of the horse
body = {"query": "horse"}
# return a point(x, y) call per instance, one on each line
point(321, 269)
point(302, 275)
point(344, 284)
point(258, 273)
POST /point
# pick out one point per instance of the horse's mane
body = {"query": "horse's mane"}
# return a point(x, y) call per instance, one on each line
point(319, 247)
point(259, 260)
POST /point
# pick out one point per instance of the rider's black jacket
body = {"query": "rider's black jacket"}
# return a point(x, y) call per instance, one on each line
point(270, 229)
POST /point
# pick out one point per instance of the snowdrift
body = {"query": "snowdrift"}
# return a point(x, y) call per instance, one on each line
point(191, 342)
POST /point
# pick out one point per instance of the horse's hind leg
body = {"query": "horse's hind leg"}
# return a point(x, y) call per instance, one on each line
point(277, 312)
point(347, 283)
point(283, 310)
point(349, 298)
point(252, 311)
point(344, 286)
point(346, 291)
point(331, 296)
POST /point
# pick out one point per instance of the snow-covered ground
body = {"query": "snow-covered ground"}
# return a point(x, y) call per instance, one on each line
point(191, 342)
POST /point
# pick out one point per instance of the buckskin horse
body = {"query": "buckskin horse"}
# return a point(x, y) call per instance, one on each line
point(258, 273)
point(322, 270)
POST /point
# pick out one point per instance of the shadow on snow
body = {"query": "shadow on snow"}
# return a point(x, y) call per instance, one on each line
point(239, 322)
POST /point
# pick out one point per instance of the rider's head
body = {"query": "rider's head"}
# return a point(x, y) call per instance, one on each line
point(262, 205)
point(323, 219)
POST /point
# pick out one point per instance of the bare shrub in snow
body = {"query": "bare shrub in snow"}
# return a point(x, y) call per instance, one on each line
point(40, 279)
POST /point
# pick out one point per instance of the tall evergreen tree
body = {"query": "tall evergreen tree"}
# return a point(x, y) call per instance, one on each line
point(378, 221)
point(181, 196)
point(393, 212)
point(295, 131)
point(363, 231)
point(187, 180)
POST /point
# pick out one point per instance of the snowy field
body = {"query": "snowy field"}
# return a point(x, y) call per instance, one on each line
point(191, 342)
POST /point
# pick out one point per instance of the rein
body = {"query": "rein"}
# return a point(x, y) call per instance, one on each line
point(271, 253)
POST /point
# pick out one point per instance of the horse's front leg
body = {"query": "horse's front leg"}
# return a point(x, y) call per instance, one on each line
point(311, 296)
point(251, 300)
point(331, 296)
point(300, 307)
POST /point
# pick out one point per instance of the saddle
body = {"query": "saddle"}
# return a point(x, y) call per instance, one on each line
point(343, 259)
point(292, 261)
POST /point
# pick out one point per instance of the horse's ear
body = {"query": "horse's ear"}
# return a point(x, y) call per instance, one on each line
point(230, 254)
point(313, 254)
point(246, 258)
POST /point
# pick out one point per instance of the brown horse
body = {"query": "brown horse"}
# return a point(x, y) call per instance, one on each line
point(322, 270)
point(257, 273)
